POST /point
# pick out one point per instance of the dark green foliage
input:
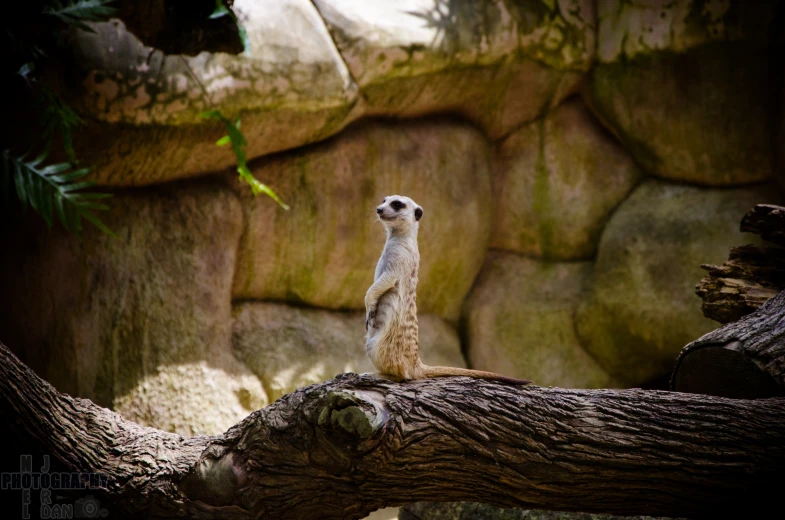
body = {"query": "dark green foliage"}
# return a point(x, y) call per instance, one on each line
point(58, 117)
point(78, 11)
point(237, 140)
point(54, 188)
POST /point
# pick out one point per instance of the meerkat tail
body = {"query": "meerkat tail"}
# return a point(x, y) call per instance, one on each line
point(428, 371)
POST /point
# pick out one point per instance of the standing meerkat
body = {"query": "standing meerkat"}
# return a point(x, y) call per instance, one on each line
point(392, 340)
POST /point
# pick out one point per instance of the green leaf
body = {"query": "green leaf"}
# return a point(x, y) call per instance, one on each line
point(97, 223)
point(26, 69)
point(212, 114)
point(45, 204)
point(34, 191)
point(58, 117)
point(76, 186)
point(55, 168)
point(19, 181)
point(258, 187)
point(61, 211)
point(241, 32)
point(236, 138)
point(45, 186)
point(29, 187)
point(220, 10)
point(38, 160)
point(90, 196)
point(68, 177)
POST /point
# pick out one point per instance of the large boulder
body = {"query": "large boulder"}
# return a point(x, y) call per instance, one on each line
point(556, 182)
point(288, 347)
point(499, 63)
point(290, 87)
point(690, 87)
point(323, 252)
point(641, 307)
point(97, 316)
point(519, 321)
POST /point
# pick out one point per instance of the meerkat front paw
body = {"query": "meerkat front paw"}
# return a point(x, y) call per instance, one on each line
point(369, 316)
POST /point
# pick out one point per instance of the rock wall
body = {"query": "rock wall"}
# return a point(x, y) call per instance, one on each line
point(577, 161)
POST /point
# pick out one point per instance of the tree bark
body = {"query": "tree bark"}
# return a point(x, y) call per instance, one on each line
point(766, 220)
point(344, 448)
point(744, 359)
point(741, 285)
point(752, 274)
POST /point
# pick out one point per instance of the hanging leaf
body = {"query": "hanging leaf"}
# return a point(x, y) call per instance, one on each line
point(220, 10)
point(236, 138)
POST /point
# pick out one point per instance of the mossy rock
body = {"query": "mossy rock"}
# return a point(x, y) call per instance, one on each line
point(556, 182)
point(95, 315)
point(690, 87)
point(500, 63)
point(641, 307)
point(519, 321)
point(290, 87)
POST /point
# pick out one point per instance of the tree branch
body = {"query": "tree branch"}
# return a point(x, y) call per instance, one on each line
point(743, 359)
point(344, 448)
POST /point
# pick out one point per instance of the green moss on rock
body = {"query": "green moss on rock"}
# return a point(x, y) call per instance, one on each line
point(556, 182)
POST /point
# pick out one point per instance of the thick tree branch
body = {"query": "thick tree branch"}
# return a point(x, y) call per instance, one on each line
point(744, 359)
point(349, 446)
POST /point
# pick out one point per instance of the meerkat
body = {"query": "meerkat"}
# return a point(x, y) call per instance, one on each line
point(392, 340)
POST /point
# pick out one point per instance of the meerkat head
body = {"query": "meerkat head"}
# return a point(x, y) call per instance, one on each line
point(399, 214)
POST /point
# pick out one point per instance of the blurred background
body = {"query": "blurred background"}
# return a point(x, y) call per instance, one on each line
point(577, 161)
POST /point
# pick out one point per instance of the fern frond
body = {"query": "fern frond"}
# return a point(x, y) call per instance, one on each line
point(236, 138)
point(53, 188)
point(76, 12)
point(58, 117)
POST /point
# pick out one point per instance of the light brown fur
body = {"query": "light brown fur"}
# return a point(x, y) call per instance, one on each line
point(392, 341)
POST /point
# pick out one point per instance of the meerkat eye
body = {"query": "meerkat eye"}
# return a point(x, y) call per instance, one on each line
point(384, 200)
point(397, 205)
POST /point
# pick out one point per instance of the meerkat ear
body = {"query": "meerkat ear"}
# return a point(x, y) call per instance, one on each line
point(418, 213)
